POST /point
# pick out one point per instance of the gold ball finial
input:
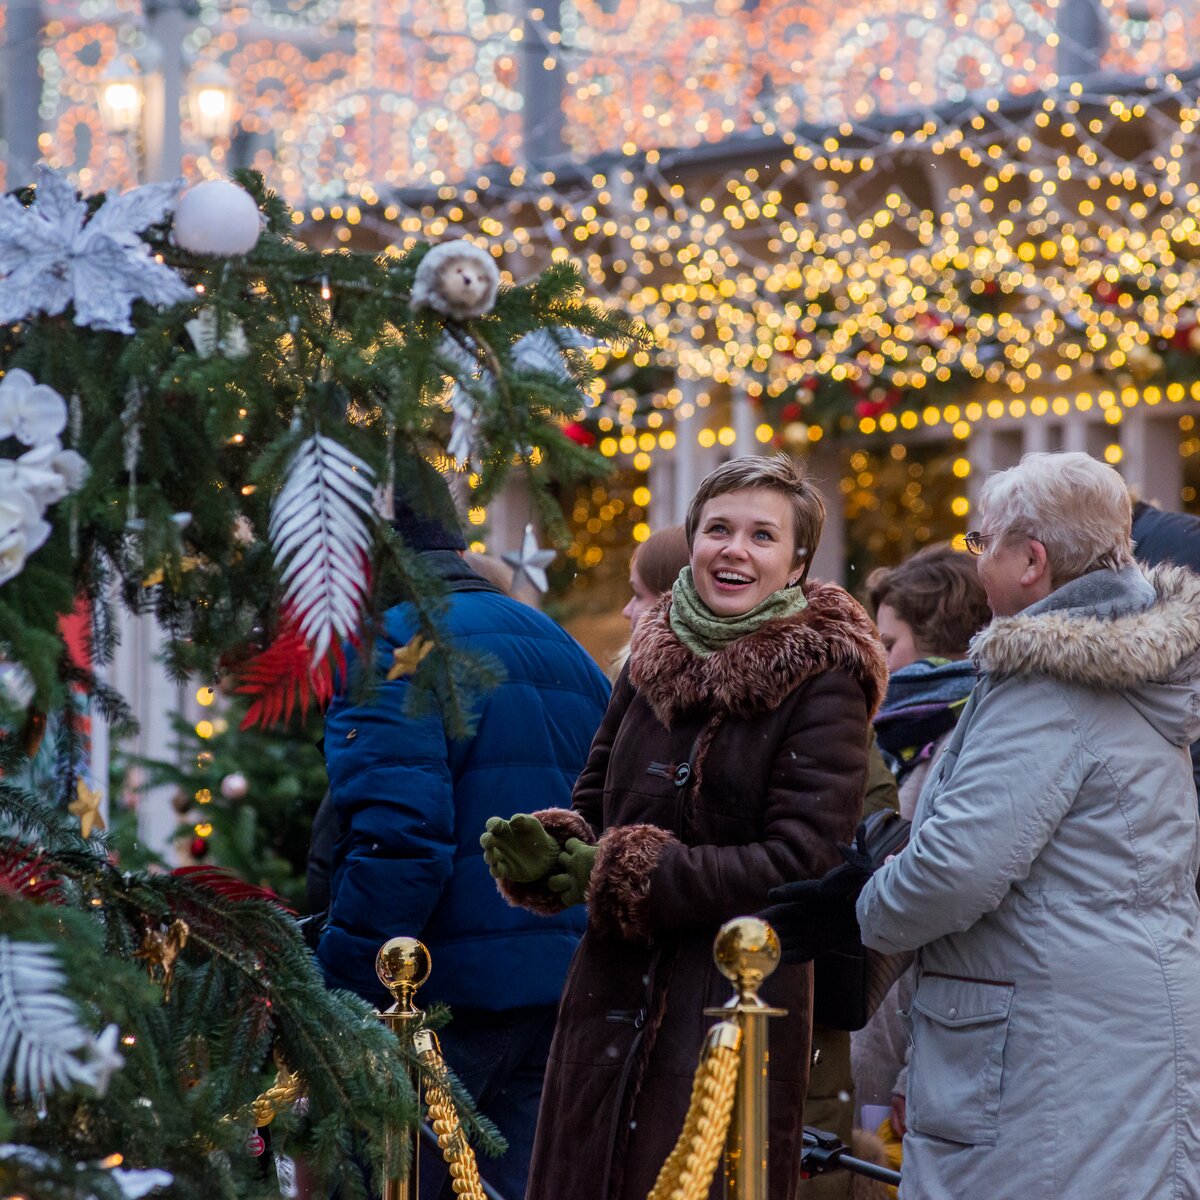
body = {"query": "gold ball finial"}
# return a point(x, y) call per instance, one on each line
point(746, 951)
point(402, 965)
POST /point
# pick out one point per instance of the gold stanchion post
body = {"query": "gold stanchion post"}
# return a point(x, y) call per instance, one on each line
point(402, 965)
point(746, 951)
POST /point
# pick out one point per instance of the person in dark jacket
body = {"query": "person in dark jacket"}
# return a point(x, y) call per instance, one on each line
point(1168, 537)
point(410, 801)
point(733, 756)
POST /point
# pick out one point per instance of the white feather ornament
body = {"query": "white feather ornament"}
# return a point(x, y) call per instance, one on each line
point(320, 532)
point(40, 1035)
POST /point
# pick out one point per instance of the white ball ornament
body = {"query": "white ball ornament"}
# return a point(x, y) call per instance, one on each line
point(234, 786)
point(458, 279)
point(218, 218)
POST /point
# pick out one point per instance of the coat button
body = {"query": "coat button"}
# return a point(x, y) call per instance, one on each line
point(351, 735)
point(683, 773)
point(952, 1013)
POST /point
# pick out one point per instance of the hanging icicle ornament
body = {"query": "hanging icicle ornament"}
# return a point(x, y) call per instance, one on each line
point(531, 561)
point(461, 364)
point(320, 530)
point(457, 279)
point(212, 335)
point(131, 422)
point(384, 499)
point(53, 254)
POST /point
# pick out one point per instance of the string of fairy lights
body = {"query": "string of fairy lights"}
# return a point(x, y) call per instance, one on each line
point(908, 217)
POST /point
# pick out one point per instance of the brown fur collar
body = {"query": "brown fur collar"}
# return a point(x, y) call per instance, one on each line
point(755, 673)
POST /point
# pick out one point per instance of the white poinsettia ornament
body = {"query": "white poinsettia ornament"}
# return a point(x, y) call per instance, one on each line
point(52, 254)
point(457, 279)
point(31, 412)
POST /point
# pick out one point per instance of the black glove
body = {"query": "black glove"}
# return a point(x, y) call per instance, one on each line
point(813, 916)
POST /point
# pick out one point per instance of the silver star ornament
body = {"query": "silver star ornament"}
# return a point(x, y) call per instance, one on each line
point(531, 562)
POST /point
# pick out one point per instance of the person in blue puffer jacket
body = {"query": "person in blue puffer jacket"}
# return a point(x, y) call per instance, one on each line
point(411, 802)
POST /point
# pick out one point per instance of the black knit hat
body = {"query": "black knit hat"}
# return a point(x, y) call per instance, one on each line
point(425, 515)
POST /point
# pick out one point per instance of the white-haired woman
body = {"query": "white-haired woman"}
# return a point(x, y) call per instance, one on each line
point(1050, 886)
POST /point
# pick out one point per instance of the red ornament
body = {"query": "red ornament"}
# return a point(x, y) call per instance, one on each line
point(255, 1145)
point(225, 883)
point(199, 847)
point(284, 676)
point(579, 434)
point(791, 412)
point(26, 872)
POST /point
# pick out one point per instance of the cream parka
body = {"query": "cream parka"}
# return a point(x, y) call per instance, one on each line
point(1050, 892)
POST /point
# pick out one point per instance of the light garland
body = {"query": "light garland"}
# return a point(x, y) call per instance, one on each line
point(907, 203)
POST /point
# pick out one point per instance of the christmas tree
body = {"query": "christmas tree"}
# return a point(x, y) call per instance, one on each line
point(204, 420)
point(246, 796)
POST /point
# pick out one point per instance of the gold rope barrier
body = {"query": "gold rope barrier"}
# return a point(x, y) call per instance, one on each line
point(402, 965)
point(729, 1092)
point(287, 1089)
point(443, 1116)
point(688, 1171)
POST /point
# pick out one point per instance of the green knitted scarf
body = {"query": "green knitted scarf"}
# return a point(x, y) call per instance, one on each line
point(704, 633)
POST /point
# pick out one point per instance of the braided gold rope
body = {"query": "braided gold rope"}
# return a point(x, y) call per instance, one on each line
point(443, 1117)
point(287, 1089)
point(688, 1171)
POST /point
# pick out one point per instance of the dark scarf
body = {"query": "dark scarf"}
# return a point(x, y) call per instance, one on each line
point(924, 700)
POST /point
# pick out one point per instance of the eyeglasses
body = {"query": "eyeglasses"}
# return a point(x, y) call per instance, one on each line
point(976, 541)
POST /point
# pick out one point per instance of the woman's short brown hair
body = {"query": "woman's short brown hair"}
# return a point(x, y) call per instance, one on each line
point(937, 593)
point(778, 474)
point(661, 557)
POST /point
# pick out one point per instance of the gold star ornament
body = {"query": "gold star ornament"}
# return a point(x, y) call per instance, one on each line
point(406, 659)
point(86, 806)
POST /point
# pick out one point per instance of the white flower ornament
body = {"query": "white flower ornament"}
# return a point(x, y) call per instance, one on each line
point(49, 472)
point(53, 254)
point(31, 412)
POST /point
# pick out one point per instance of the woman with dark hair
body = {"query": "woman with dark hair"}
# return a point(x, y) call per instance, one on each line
point(927, 609)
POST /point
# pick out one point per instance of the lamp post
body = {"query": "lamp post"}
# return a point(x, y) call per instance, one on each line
point(144, 99)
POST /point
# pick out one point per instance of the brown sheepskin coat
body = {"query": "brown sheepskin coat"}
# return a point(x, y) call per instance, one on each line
point(774, 728)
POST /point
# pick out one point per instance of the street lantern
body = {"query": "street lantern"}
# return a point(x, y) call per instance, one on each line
point(210, 102)
point(121, 97)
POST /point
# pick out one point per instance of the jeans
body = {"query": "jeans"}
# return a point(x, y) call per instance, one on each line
point(500, 1058)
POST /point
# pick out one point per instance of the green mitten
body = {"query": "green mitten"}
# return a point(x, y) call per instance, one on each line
point(576, 860)
point(519, 849)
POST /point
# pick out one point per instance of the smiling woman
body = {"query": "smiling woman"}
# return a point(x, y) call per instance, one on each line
point(732, 758)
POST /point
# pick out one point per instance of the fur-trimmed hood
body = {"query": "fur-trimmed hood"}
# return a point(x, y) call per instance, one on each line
point(755, 673)
point(1128, 631)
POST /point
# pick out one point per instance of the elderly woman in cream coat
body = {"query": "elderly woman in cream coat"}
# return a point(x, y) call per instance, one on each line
point(1050, 887)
